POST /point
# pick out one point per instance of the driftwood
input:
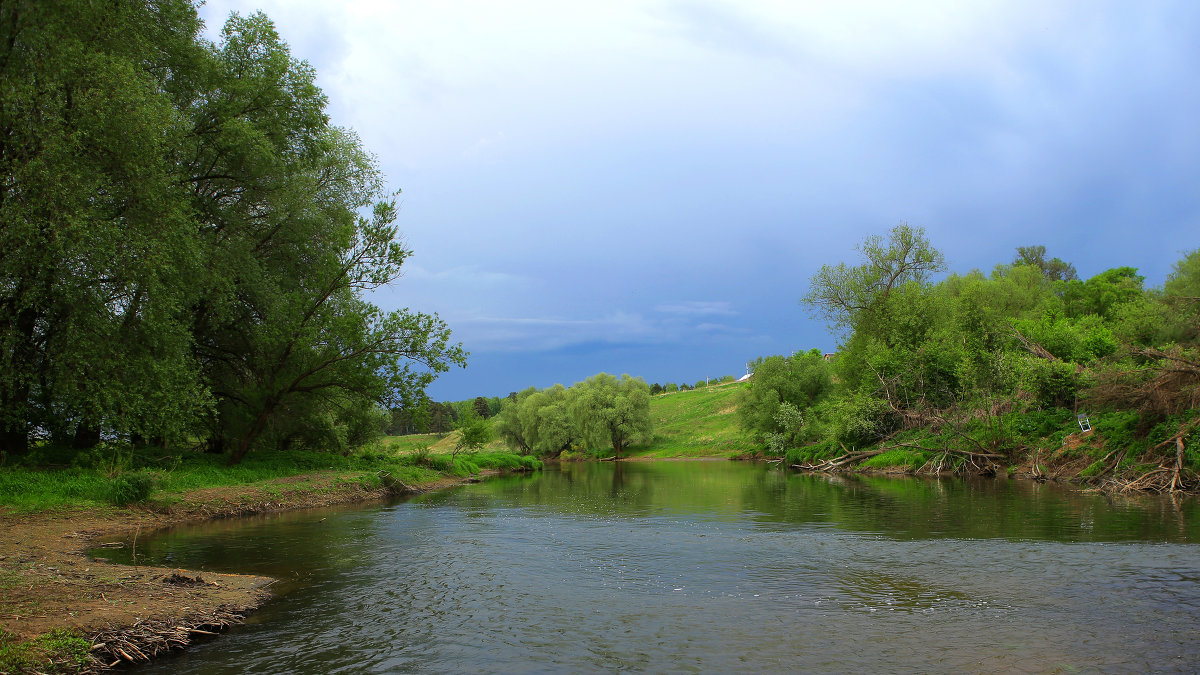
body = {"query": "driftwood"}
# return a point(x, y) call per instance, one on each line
point(395, 486)
point(849, 458)
point(150, 638)
point(1170, 476)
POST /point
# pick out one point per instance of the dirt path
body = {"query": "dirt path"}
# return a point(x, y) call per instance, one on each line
point(48, 582)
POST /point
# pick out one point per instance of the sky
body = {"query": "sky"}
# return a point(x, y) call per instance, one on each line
point(647, 187)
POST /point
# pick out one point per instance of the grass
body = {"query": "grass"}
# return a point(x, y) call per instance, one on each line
point(59, 651)
point(438, 444)
point(698, 423)
point(97, 480)
point(905, 459)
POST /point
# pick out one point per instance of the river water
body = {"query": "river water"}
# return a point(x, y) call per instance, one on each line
point(711, 567)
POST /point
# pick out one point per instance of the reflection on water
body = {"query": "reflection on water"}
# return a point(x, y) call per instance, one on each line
point(712, 567)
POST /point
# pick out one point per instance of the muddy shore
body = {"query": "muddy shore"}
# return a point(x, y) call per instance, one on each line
point(131, 614)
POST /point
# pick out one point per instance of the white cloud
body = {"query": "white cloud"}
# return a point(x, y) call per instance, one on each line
point(466, 276)
point(699, 308)
point(521, 334)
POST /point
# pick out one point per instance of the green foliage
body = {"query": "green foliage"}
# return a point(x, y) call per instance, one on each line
point(59, 650)
point(131, 488)
point(1054, 269)
point(474, 433)
point(189, 242)
point(849, 296)
point(824, 449)
point(613, 411)
point(857, 419)
point(1031, 338)
point(1039, 424)
point(603, 411)
point(1081, 340)
point(910, 460)
point(1054, 384)
point(774, 402)
point(1103, 294)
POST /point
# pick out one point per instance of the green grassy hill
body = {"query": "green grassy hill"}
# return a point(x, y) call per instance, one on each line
point(697, 423)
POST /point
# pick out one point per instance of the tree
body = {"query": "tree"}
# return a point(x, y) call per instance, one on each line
point(509, 423)
point(413, 419)
point(613, 410)
point(441, 417)
point(846, 296)
point(187, 240)
point(1182, 294)
point(1184, 280)
point(1104, 293)
point(798, 381)
point(480, 405)
point(1053, 269)
point(95, 245)
point(473, 433)
point(281, 324)
point(557, 429)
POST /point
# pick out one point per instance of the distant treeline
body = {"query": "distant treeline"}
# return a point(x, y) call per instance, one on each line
point(601, 412)
point(670, 387)
point(186, 242)
point(426, 417)
point(433, 417)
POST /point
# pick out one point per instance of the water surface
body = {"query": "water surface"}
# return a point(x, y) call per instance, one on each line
point(711, 567)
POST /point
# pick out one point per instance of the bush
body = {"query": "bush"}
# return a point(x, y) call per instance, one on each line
point(131, 488)
point(810, 453)
point(1039, 424)
point(1054, 384)
point(859, 419)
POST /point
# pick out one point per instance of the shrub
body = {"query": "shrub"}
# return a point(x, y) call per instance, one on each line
point(1054, 384)
point(859, 419)
point(810, 453)
point(1042, 423)
point(131, 488)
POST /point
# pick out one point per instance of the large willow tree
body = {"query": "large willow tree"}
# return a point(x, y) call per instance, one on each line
point(185, 240)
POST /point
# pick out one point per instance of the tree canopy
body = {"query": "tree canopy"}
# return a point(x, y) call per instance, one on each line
point(847, 295)
point(972, 356)
point(187, 240)
point(601, 412)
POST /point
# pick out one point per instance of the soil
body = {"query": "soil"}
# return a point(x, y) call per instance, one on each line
point(48, 581)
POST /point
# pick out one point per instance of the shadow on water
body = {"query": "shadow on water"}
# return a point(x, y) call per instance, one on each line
point(898, 507)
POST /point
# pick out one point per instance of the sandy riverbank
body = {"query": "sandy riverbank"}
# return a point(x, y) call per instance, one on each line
point(131, 614)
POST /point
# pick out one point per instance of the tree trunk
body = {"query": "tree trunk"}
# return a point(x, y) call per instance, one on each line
point(248, 439)
point(87, 436)
point(14, 442)
point(215, 445)
point(14, 437)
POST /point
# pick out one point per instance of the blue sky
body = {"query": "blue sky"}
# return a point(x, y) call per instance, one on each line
point(646, 187)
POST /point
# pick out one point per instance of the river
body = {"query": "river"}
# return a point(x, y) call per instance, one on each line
point(710, 567)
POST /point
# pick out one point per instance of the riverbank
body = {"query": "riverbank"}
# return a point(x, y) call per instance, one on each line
point(63, 611)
